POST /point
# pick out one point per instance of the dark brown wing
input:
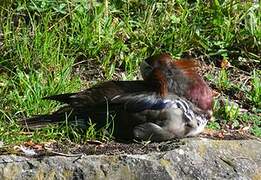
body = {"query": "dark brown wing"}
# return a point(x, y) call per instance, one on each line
point(101, 93)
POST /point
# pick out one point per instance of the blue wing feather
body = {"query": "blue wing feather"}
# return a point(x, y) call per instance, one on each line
point(138, 103)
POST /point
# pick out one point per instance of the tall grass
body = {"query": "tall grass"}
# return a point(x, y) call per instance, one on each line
point(41, 41)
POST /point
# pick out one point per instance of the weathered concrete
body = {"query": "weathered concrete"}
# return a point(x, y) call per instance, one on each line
point(197, 159)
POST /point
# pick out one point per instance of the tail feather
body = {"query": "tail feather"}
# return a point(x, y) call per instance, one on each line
point(38, 121)
point(66, 114)
point(43, 120)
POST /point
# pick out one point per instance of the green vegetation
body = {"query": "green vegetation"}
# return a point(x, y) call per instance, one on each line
point(46, 46)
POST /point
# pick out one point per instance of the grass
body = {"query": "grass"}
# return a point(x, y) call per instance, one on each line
point(42, 43)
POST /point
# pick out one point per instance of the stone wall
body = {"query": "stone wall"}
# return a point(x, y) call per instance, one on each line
point(197, 159)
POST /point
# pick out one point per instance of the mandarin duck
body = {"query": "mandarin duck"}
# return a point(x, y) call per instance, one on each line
point(142, 116)
point(152, 109)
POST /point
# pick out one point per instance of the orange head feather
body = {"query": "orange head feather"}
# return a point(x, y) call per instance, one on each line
point(159, 82)
point(179, 77)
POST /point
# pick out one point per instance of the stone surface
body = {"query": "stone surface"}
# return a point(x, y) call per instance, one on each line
point(196, 159)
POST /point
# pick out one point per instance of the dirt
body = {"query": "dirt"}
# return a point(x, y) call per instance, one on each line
point(94, 147)
point(115, 148)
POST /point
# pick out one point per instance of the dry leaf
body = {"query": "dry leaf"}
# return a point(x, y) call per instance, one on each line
point(225, 64)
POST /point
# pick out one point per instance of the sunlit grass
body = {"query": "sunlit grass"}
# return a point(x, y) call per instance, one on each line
point(40, 41)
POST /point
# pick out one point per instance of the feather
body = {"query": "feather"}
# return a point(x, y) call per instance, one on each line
point(188, 67)
point(99, 94)
point(179, 77)
point(168, 117)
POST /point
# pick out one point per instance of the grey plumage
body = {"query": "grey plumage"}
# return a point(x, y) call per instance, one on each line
point(141, 116)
